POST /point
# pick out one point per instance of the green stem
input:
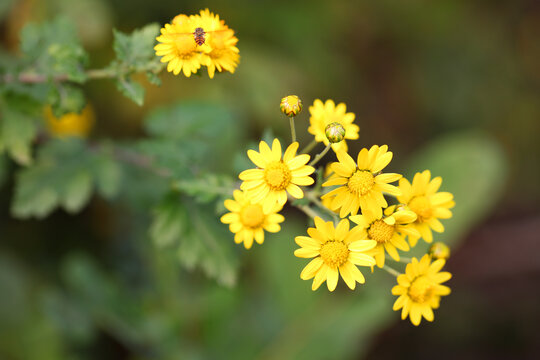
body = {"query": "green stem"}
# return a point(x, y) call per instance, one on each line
point(309, 147)
point(402, 259)
point(391, 271)
point(293, 129)
point(313, 198)
point(320, 156)
point(309, 211)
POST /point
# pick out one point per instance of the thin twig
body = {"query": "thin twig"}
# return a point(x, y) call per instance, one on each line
point(320, 156)
point(391, 270)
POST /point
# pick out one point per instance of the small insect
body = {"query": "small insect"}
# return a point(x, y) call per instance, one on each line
point(199, 35)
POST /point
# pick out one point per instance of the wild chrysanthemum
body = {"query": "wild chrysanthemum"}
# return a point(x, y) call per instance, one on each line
point(422, 197)
point(361, 184)
point(177, 47)
point(327, 113)
point(248, 220)
point(420, 289)
point(223, 54)
point(389, 231)
point(335, 251)
point(275, 176)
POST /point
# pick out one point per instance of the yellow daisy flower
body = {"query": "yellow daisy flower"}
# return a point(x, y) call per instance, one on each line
point(422, 197)
point(389, 231)
point(328, 175)
point(224, 55)
point(327, 113)
point(361, 184)
point(178, 48)
point(420, 289)
point(248, 220)
point(276, 176)
point(335, 251)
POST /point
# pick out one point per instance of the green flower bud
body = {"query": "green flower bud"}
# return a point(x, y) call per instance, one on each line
point(291, 105)
point(335, 132)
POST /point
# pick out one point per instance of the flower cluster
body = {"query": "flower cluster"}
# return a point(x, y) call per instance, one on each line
point(363, 216)
point(189, 42)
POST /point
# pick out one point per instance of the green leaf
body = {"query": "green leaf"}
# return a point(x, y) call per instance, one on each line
point(198, 237)
point(66, 98)
point(136, 49)
point(131, 89)
point(53, 49)
point(64, 174)
point(206, 188)
point(17, 129)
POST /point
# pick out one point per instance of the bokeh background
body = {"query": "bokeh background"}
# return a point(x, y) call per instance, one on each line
point(449, 85)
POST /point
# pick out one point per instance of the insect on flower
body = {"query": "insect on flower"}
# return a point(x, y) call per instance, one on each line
point(200, 35)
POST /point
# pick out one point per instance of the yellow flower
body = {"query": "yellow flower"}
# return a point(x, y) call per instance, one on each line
point(389, 231)
point(420, 289)
point(335, 251)
point(439, 250)
point(274, 177)
point(248, 220)
point(328, 175)
point(290, 105)
point(430, 206)
point(324, 114)
point(223, 54)
point(361, 184)
point(71, 124)
point(178, 47)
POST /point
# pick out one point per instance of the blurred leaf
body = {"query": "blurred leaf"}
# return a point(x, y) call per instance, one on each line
point(17, 129)
point(206, 188)
point(198, 235)
point(187, 136)
point(131, 89)
point(5, 7)
point(63, 175)
point(65, 99)
point(52, 49)
point(474, 168)
point(136, 49)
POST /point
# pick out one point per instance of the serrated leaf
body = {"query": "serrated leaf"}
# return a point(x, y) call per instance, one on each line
point(131, 89)
point(53, 49)
point(198, 237)
point(136, 49)
point(17, 130)
point(65, 99)
point(77, 192)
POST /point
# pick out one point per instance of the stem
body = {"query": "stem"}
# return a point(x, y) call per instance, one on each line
point(402, 259)
point(309, 211)
point(309, 147)
point(391, 271)
point(319, 156)
point(293, 130)
point(319, 204)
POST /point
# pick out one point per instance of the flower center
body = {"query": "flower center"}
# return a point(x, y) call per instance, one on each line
point(380, 231)
point(252, 216)
point(334, 253)
point(277, 176)
point(421, 289)
point(422, 207)
point(361, 182)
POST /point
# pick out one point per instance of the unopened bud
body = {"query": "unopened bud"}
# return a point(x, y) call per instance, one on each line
point(291, 105)
point(335, 132)
point(439, 250)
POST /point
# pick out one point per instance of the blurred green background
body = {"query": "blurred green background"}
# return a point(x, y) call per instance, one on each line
point(451, 86)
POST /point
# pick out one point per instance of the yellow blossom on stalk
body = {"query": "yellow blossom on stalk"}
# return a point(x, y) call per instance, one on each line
point(178, 47)
point(71, 124)
point(223, 54)
point(422, 197)
point(389, 231)
point(420, 289)
point(439, 250)
point(324, 114)
point(276, 176)
point(361, 185)
point(335, 251)
point(248, 220)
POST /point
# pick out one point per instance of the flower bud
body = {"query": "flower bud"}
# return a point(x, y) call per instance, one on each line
point(335, 132)
point(439, 250)
point(291, 105)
